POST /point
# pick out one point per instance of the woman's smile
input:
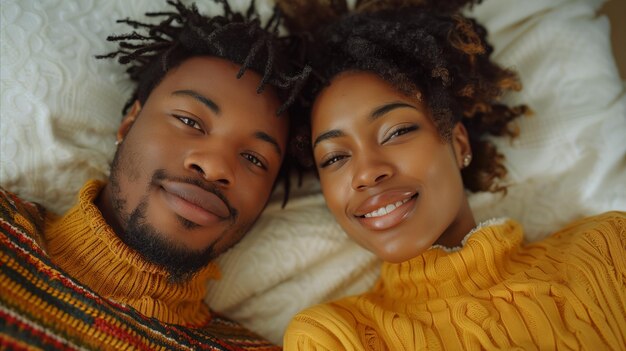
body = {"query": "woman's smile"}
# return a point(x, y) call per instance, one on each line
point(390, 209)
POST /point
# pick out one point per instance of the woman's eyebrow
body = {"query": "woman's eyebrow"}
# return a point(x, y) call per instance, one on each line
point(386, 108)
point(376, 113)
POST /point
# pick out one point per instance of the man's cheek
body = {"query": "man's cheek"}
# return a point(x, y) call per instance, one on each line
point(253, 201)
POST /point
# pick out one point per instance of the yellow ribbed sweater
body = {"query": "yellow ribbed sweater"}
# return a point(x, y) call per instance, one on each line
point(566, 292)
point(85, 246)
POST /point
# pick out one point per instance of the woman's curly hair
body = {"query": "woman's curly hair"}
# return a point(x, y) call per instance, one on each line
point(152, 50)
point(438, 55)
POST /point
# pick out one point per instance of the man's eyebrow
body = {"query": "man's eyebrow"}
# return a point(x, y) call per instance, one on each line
point(386, 108)
point(206, 101)
point(334, 133)
point(266, 137)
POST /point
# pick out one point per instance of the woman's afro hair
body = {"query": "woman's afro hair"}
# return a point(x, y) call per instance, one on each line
point(432, 53)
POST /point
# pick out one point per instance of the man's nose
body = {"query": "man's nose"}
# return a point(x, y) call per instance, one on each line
point(214, 164)
point(370, 171)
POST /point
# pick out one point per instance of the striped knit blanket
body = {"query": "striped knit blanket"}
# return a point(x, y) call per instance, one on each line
point(41, 307)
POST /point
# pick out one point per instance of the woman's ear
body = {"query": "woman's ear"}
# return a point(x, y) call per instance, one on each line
point(461, 145)
point(128, 121)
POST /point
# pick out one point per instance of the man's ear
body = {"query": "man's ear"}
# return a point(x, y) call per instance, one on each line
point(461, 145)
point(128, 121)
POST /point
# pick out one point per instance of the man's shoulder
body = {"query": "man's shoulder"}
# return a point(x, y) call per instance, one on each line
point(231, 335)
point(46, 307)
point(19, 217)
point(41, 305)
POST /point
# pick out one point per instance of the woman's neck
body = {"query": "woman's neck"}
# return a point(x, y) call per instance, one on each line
point(441, 273)
point(455, 233)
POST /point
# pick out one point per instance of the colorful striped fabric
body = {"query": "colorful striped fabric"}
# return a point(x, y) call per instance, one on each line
point(41, 307)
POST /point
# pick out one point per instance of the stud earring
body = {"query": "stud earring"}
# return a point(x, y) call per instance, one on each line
point(467, 160)
point(118, 142)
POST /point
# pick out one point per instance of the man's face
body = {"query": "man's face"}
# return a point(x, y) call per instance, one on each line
point(196, 165)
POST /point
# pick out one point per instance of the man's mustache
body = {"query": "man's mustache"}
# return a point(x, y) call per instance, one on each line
point(160, 175)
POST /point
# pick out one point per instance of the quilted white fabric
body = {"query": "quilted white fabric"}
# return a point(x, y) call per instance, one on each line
point(60, 108)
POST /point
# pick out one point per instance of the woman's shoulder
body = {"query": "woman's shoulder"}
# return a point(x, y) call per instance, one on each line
point(322, 316)
point(597, 242)
point(606, 217)
point(608, 226)
point(328, 326)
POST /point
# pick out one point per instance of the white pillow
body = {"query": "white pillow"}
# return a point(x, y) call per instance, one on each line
point(569, 160)
point(60, 108)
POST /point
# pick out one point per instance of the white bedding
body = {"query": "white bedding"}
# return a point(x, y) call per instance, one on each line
point(60, 107)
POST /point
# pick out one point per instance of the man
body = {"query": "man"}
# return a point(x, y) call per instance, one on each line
point(199, 151)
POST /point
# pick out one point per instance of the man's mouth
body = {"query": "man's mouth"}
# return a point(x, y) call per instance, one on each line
point(195, 203)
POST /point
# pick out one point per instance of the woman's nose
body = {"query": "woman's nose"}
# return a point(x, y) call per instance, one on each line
point(371, 171)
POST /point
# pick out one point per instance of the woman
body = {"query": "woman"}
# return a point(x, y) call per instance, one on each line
point(398, 135)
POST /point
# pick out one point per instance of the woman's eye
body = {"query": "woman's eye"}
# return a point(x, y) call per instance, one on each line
point(331, 160)
point(400, 131)
point(189, 122)
point(254, 160)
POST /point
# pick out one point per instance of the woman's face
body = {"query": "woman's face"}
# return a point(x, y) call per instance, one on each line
point(390, 180)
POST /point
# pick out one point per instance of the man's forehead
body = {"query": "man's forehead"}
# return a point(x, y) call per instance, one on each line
point(220, 75)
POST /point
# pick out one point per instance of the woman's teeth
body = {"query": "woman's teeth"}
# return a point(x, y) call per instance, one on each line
point(386, 209)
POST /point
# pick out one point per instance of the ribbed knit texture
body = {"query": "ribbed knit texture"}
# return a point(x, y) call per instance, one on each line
point(85, 246)
point(566, 292)
point(69, 283)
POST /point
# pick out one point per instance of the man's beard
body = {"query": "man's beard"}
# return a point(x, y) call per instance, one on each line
point(180, 262)
point(154, 246)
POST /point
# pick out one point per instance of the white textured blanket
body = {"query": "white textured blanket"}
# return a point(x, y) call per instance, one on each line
point(60, 108)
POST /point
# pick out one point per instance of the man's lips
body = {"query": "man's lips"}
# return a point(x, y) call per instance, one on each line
point(194, 203)
point(386, 210)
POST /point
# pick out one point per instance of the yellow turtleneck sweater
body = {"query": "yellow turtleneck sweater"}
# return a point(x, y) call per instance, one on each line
point(565, 292)
point(85, 246)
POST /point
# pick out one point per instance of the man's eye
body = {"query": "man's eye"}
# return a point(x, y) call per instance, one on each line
point(254, 160)
point(331, 160)
point(189, 122)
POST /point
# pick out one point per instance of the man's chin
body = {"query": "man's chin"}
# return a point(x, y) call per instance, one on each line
point(179, 261)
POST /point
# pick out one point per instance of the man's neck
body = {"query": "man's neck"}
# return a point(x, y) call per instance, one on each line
point(104, 202)
point(85, 246)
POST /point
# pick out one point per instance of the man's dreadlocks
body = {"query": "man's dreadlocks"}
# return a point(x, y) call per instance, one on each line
point(185, 33)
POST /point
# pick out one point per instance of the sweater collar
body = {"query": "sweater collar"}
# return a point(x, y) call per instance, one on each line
point(443, 273)
point(85, 246)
